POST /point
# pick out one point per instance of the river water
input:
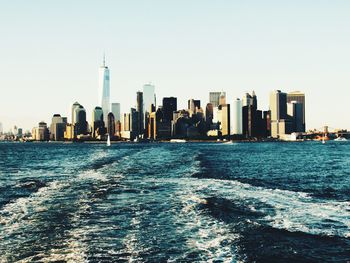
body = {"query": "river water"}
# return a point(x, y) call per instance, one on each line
point(163, 202)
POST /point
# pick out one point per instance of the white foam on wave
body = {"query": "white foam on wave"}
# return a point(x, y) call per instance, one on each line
point(293, 211)
point(131, 242)
point(206, 235)
point(12, 214)
point(20, 216)
point(212, 238)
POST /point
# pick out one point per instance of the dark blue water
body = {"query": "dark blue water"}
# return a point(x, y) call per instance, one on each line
point(262, 202)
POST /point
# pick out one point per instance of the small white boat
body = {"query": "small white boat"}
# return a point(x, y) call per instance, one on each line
point(177, 141)
point(108, 141)
point(340, 139)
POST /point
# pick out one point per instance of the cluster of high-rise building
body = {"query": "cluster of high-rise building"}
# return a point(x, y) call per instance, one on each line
point(219, 118)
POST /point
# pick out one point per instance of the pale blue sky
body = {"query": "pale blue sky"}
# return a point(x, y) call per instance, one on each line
point(50, 52)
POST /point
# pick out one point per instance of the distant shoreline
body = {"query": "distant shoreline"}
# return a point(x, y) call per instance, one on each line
point(160, 141)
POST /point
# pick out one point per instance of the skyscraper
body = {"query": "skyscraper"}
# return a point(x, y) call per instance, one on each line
point(193, 104)
point(79, 119)
point(209, 114)
point(169, 107)
point(253, 125)
point(139, 109)
point(104, 90)
point(115, 109)
point(74, 106)
point(126, 122)
point(236, 117)
point(278, 105)
point(214, 98)
point(41, 133)
point(111, 124)
point(280, 124)
point(81, 124)
point(300, 98)
point(250, 100)
point(148, 97)
point(296, 114)
point(97, 125)
point(222, 99)
point(57, 127)
point(224, 119)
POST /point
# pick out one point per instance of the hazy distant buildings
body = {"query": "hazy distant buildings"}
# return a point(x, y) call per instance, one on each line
point(15, 130)
point(1, 128)
point(20, 133)
point(41, 133)
point(57, 127)
point(236, 117)
point(104, 90)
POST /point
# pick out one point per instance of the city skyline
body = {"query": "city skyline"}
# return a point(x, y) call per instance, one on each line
point(104, 100)
point(48, 62)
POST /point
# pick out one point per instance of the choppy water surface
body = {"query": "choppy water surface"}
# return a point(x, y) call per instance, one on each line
point(268, 202)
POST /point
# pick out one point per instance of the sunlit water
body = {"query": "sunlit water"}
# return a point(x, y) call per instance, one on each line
point(263, 202)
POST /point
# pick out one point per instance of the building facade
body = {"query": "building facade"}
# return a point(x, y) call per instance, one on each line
point(224, 119)
point(97, 123)
point(214, 98)
point(280, 124)
point(111, 125)
point(300, 98)
point(236, 117)
point(139, 109)
point(57, 127)
point(115, 109)
point(148, 97)
point(169, 107)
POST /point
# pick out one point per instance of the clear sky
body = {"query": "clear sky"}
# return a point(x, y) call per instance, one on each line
point(50, 52)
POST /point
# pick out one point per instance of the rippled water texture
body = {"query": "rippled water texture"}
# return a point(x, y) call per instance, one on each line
point(263, 202)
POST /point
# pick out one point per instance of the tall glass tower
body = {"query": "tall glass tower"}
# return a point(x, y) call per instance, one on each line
point(104, 90)
point(148, 97)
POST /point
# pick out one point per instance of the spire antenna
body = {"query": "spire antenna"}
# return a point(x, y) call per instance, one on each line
point(104, 59)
